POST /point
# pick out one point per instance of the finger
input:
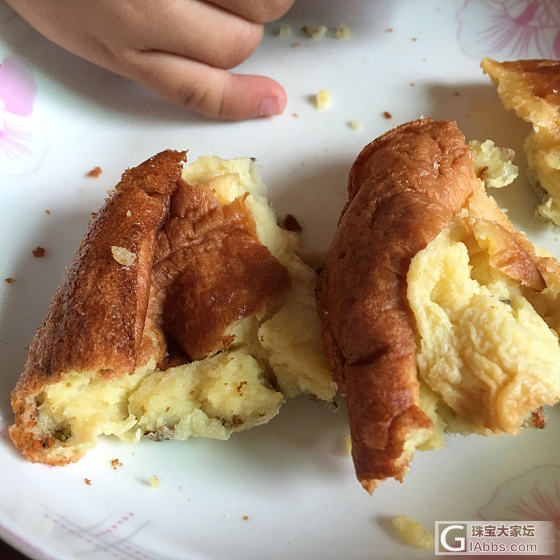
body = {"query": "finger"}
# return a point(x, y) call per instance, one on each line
point(260, 11)
point(210, 91)
point(200, 31)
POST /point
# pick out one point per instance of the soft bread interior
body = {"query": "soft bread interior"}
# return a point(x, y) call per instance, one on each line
point(273, 354)
point(487, 346)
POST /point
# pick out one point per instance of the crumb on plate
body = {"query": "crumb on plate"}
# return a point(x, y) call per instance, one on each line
point(323, 99)
point(154, 481)
point(95, 172)
point(48, 212)
point(38, 252)
point(115, 464)
point(355, 125)
point(10, 280)
point(387, 115)
point(87, 481)
point(291, 223)
point(245, 518)
point(343, 31)
point(348, 442)
point(296, 44)
point(412, 532)
point(285, 30)
point(314, 32)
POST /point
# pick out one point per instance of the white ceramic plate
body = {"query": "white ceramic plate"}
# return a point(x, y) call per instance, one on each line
point(292, 478)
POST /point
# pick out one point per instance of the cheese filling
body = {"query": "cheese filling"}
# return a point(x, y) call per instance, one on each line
point(483, 349)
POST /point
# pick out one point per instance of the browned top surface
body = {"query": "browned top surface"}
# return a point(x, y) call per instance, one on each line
point(542, 77)
point(95, 320)
point(210, 270)
point(198, 267)
point(403, 189)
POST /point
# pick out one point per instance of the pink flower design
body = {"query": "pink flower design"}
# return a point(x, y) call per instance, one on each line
point(23, 139)
point(510, 29)
point(531, 496)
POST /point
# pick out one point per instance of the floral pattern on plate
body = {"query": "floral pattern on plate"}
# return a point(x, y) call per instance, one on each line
point(510, 29)
point(23, 137)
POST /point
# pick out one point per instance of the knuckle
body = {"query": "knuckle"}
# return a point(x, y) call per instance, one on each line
point(202, 98)
point(269, 10)
point(242, 43)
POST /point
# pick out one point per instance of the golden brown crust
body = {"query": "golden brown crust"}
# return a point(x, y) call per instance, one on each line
point(76, 333)
point(403, 189)
point(95, 321)
point(530, 87)
point(211, 270)
point(160, 256)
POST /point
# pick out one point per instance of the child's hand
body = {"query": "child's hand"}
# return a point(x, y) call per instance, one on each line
point(179, 48)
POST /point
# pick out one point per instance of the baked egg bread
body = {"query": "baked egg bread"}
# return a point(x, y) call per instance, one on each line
point(532, 89)
point(185, 312)
point(437, 315)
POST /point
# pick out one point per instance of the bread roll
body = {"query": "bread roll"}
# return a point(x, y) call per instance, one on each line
point(436, 314)
point(174, 318)
point(532, 89)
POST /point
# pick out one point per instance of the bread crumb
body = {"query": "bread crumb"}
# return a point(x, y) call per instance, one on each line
point(48, 212)
point(295, 115)
point(387, 115)
point(314, 32)
point(411, 84)
point(414, 39)
point(123, 256)
point(355, 125)
point(115, 464)
point(128, 213)
point(38, 252)
point(412, 532)
point(154, 481)
point(10, 280)
point(95, 172)
point(291, 224)
point(323, 99)
point(285, 30)
point(245, 518)
point(342, 31)
point(348, 441)
point(296, 44)
point(389, 30)
point(87, 481)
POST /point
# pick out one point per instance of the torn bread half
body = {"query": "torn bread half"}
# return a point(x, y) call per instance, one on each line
point(185, 312)
point(436, 313)
point(532, 89)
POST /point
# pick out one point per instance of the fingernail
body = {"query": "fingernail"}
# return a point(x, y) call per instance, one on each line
point(269, 106)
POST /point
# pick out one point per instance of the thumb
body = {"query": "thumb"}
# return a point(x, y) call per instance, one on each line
point(204, 89)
